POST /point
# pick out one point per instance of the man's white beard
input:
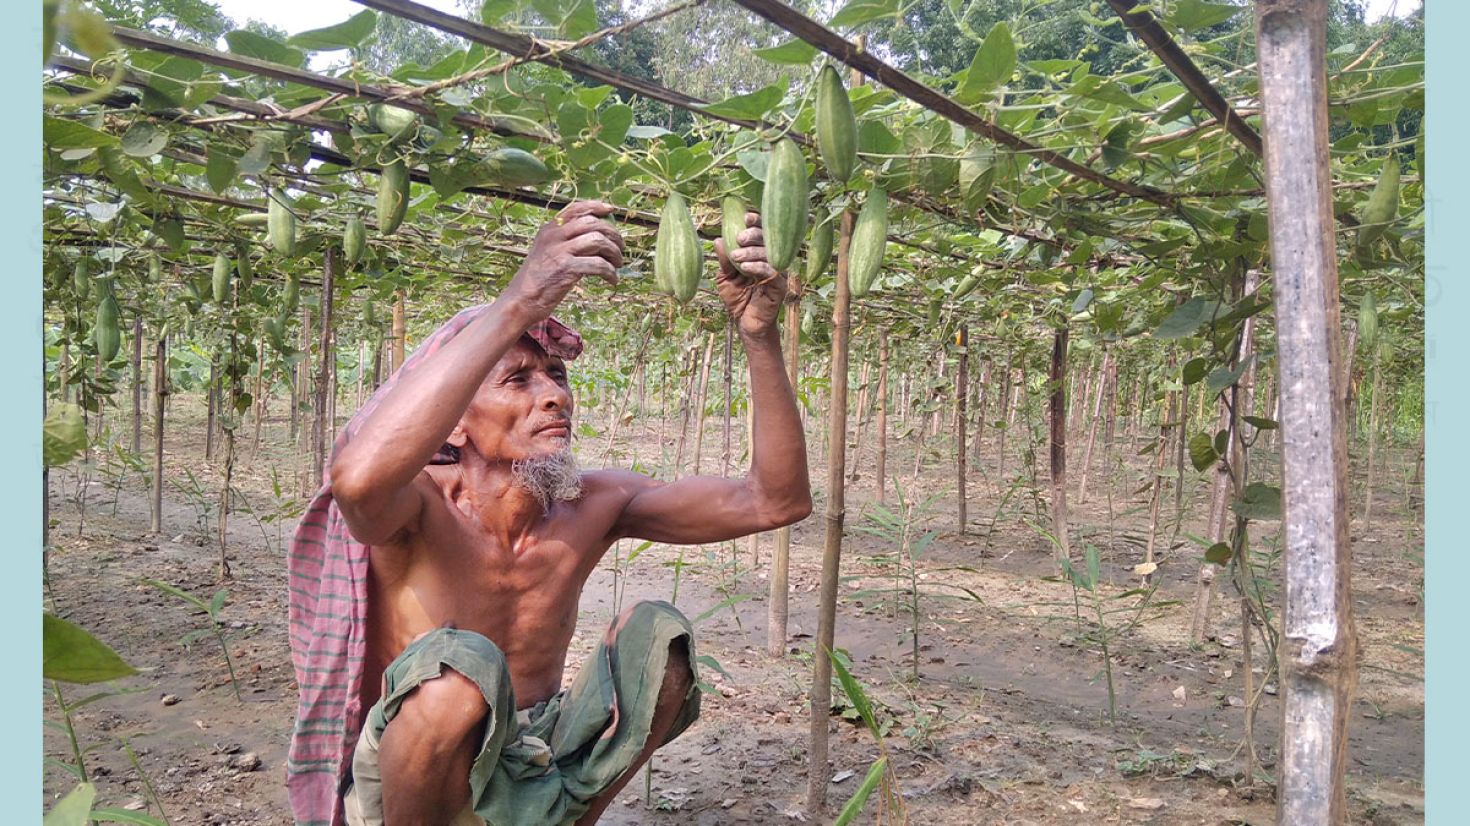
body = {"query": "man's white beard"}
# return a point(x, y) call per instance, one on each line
point(551, 478)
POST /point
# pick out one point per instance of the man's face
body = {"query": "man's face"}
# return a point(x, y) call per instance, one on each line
point(523, 409)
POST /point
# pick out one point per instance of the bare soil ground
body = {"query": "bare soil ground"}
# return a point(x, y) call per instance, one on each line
point(1007, 724)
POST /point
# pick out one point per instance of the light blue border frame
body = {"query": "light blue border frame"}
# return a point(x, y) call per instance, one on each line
point(1446, 343)
point(20, 452)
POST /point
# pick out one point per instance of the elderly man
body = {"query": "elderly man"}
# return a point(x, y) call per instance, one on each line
point(435, 579)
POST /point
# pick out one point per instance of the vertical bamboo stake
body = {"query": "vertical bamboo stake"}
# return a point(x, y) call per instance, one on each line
point(160, 395)
point(260, 388)
point(1229, 475)
point(211, 395)
point(230, 416)
point(729, 392)
point(819, 770)
point(1101, 385)
point(137, 382)
point(1319, 646)
point(400, 310)
point(362, 347)
point(703, 399)
point(882, 465)
point(324, 370)
point(961, 395)
point(777, 610)
point(1373, 413)
point(1004, 421)
point(1059, 444)
point(864, 394)
point(982, 400)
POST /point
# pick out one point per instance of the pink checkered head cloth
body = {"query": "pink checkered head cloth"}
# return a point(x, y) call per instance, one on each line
point(327, 577)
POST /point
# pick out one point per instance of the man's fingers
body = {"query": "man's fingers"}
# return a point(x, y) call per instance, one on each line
point(745, 255)
point(752, 219)
point(594, 265)
point(588, 224)
point(752, 237)
point(577, 209)
point(760, 271)
point(595, 243)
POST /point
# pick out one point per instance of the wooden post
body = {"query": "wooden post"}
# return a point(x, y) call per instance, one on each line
point(777, 610)
point(400, 302)
point(881, 468)
point(137, 383)
point(160, 395)
point(702, 400)
point(1059, 444)
point(961, 395)
point(1100, 385)
point(818, 768)
point(1319, 644)
point(324, 372)
point(211, 396)
point(1374, 409)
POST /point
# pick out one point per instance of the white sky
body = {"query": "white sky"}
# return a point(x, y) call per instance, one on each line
point(299, 15)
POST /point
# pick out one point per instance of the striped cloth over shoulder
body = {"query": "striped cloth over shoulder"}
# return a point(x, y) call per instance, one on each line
point(326, 571)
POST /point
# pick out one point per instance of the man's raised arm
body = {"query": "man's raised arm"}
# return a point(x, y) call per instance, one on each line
point(372, 476)
point(776, 491)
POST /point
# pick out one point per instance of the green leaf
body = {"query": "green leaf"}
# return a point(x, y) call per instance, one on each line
point(110, 814)
point(1188, 317)
point(859, 798)
point(711, 662)
point(73, 809)
point(493, 10)
point(168, 77)
point(855, 694)
point(1219, 553)
point(63, 435)
point(795, 52)
point(1103, 90)
point(1189, 15)
point(753, 105)
point(249, 44)
point(992, 65)
point(171, 231)
point(1202, 451)
point(615, 121)
point(723, 604)
point(218, 602)
point(175, 591)
point(1222, 377)
point(861, 11)
point(1194, 370)
point(1261, 422)
point(1084, 298)
point(72, 655)
point(1259, 501)
point(58, 133)
point(877, 139)
point(348, 34)
point(220, 168)
point(1094, 566)
point(573, 18)
point(144, 140)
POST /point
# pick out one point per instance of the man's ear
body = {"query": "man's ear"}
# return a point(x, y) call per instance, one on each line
point(458, 437)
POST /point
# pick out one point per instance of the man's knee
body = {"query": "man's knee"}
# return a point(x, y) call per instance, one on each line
point(448, 709)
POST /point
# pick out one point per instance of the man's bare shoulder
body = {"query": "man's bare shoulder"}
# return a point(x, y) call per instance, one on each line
point(603, 486)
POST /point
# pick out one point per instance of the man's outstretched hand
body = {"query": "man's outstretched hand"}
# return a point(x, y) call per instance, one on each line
point(750, 287)
point(575, 244)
